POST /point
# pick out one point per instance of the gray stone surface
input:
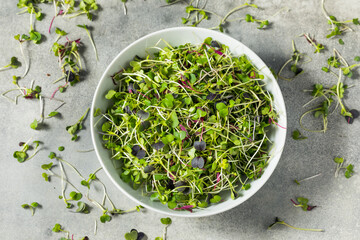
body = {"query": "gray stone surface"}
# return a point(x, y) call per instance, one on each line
point(337, 198)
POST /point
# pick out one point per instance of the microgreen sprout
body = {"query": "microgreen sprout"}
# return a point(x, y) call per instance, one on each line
point(77, 195)
point(340, 165)
point(82, 207)
point(318, 46)
point(337, 61)
point(22, 155)
point(322, 110)
point(31, 206)
point(294, 60)
point(305, 179)
point(73, 129)
point(58, 228)
point(337, 27)
point(124, 6)
point(184, 125)
point(69, 62)
point(59, 33)
point(296, 135)
point(91, 39)
point(303, 203)
point(278, 221)
point(135, 235)
point(87, 7)
point(249, 18)
point(263, 23)
point(166, 221)
point(14, 63)
point(21, 39)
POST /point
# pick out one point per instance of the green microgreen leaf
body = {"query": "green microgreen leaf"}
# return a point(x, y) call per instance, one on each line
point(296, 135)
point(166, 221)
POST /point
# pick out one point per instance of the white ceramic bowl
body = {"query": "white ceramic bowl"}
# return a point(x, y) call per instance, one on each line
point(178, 36)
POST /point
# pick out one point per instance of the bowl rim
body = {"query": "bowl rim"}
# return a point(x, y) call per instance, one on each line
point(264, 179)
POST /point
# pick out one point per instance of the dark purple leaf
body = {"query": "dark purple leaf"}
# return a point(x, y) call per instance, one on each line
point(349, 120)
point(142, 236)
point(212, 96)
point(149, 169)
point(355, 113)
point(181, 185)
point(144, 125)
point(143, 115)
point(170, 184)
point(135, 149)
point(215, 44)
point(197, 162)
point(200, 146)
point(158, 145)
point(246, 95)
point(309, 208)
point(69, 76)
point(141, 154)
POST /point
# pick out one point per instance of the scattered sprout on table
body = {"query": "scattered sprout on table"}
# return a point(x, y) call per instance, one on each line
point(31, 206)
point(278, 221)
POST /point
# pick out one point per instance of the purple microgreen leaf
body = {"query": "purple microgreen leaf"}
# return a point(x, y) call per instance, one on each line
point(200, 146)
point(131, 88)
point(215, 44)
point(157, 146)
point(197, 162)
point(141, 154)
point(181, 186)
point(143, 115)
point(212, 96)
point(135, 149)
point(149, 169)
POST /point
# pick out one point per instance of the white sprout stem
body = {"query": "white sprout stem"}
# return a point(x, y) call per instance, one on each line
point(125, 9)
point(26, 63)
point(95, 228)
point(62, 181)
point(72, 167)
point(308, 178)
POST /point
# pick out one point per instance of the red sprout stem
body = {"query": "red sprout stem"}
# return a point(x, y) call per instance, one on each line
point(57, 89)
point(294, 202)
point(52, 20)
point(277, 124)
point(217, 179)
point(142, 95)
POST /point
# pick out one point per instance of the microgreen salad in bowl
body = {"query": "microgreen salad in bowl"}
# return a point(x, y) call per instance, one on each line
point(188, 122)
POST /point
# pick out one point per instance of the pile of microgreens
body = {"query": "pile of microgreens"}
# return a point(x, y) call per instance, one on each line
point(77, 195)
point(337, 27)
point(196, 14)
point(329, 94)
point(189, 123)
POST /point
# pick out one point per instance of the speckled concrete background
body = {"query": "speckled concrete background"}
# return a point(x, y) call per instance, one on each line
point(337, 198)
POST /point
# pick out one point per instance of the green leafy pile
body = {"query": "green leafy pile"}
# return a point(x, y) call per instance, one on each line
point(189, 123)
